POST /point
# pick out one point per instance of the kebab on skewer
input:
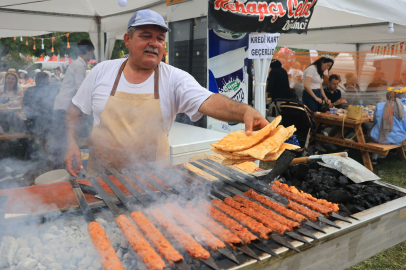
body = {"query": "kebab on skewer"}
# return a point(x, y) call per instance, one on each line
point(141, 246)
point(293, 189)
point(191, 246)
point(278, 218)
point(155, 237)
point(253, 225)
point(231, 224)
point(275, 206)
point(196, 229)
point(294, 197)
point(224, 234)
point(312, 215)
point(268, 222)
point(103, 247)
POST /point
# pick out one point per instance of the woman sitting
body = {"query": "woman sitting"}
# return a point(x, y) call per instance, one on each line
point(389, 118)
point(313, 77)
point(11, 95)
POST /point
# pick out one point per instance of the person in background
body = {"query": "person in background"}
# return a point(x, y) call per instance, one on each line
point(313, 76)
point(278, 82)
point(378, 81)
point(22, 74)
point(389, 119)
point(351, 83)
point(332, 93)
point(297, 83)
point(11, 94)
point(58, 73)
point(11, 91)
point(73, 79)
point(38, 106)
point(402, 81)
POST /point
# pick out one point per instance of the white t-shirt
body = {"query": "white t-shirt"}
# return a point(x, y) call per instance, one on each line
point(7, 96)
point(179, 92)
point(311, 71)
point(72, 81)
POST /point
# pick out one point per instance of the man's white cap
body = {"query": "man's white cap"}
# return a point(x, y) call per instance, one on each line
point(145, 17)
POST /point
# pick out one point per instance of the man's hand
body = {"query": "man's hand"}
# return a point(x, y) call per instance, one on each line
point(226, 109)
point(253, 120)
point(73, 154)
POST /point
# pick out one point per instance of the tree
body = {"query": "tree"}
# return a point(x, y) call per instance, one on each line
point(9, 46)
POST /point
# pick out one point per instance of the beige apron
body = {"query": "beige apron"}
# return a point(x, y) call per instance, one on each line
point(131, 134)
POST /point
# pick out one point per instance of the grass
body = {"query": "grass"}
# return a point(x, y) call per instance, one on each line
point(392, 170)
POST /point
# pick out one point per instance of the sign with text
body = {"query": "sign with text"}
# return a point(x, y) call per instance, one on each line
point(262, 46)
point(269, 16)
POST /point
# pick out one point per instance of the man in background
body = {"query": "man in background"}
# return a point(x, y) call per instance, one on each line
point(38, 106)
point(332, 93)
point(75, 74)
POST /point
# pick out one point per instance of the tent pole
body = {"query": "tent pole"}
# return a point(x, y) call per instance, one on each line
point(99, 42)
point(357, 68)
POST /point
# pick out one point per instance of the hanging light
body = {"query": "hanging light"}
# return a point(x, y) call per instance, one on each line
point(34, 48)
point(15, 38)
point(42, 45)
point(52, 49)
point(67, 45)
point(122, 3)
point(26, 41)
point(21, 39)
point(390, 29)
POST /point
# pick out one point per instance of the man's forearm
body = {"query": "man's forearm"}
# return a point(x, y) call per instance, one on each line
point(224, 109)
point(74, 119)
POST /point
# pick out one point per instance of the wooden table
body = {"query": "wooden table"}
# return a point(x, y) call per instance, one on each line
point(365, 148)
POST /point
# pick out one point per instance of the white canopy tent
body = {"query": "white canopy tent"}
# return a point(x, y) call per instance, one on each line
point(101, 18)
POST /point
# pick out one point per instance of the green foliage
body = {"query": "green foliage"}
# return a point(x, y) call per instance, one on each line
point(119, 49)
point(11, 47)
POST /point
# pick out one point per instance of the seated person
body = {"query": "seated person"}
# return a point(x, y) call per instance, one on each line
point(332, 93)
point(389, 118)
point(402, 82)
point(351, 83)
point(11, 95)
point(38, 105)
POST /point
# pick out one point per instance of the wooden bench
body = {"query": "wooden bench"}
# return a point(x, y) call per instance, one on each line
point(14, 135)
point(385, 148)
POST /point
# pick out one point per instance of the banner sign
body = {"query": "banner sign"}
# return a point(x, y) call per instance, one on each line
point(228, 64)
point(397, 48)
point(269, 16)
point(262, 46)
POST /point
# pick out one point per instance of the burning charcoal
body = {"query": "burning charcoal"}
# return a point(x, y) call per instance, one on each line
point(323, 194)
point(293, 169)
point(301, 171)
point(21, 254)
point(370, 190)
point(296, 182)
point(40, 267)
point(368, 204)
point(316, 180)
point(55, 266)
point(343, 180)
point(344, 209)
point(287, 175)
point(85, 262)
point(339, 196)
point(33, 240)
point(47, 260)
point(8, 249)
point(29, 264)
point(23, 243)
point(384, 197)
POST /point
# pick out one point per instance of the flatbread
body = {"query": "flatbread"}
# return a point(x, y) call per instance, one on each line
point(275, 155)
point(199, 172)
point(248, 166)
point(271, 143)
point(228, 155)
point(228, 162)
point(238, 140)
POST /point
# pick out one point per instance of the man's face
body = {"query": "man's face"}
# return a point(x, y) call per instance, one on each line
point(146, 47)
point(333, 84)
point(89, 55)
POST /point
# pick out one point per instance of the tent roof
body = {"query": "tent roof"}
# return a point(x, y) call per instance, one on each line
point(347, 22)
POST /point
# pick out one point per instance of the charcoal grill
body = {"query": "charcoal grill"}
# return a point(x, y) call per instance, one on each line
point(337, 243)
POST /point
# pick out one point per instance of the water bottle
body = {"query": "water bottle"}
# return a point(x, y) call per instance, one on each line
point(361, 103)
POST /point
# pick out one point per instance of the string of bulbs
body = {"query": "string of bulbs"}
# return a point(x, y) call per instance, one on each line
point(42, 41)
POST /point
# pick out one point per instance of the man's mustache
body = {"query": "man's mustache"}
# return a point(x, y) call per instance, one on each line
point(150, 49)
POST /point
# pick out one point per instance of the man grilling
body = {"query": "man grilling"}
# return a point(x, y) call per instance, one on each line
point(134, 102)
